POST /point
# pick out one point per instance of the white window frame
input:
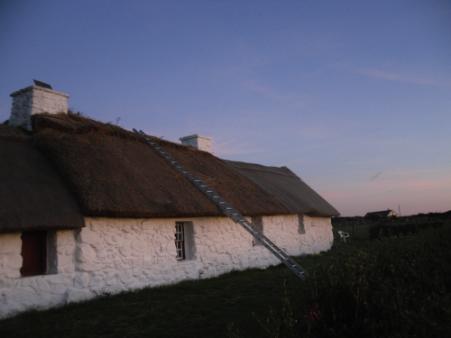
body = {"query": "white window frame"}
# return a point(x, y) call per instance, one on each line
point(180, 241)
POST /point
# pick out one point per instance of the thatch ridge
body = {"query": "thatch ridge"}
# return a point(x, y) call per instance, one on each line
point(75, 123)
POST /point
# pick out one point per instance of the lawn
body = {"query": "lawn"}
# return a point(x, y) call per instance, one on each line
point(395, 287)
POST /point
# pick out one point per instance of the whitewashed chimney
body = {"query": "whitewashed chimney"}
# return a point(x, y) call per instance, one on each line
point(199, 142)
point(36, 99)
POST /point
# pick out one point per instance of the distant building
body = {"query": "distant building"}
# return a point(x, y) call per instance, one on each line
point(381, 214)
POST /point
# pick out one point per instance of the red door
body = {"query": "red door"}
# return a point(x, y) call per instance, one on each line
point(34, 253)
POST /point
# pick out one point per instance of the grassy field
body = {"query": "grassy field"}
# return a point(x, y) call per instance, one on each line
point(395, 287)
point(370, 228)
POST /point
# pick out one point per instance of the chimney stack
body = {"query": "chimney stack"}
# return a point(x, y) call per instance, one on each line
point(36, 99)
point(198, 142)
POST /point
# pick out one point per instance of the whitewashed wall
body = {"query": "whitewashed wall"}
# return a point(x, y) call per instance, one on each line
point(35, 100)
point(114, 255)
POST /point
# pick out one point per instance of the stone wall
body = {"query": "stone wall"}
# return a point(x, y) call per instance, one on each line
point(18, 293)
point(114, 255)
point(203, 143)
point(21, 110)
point(49, 101)
point(35, 100)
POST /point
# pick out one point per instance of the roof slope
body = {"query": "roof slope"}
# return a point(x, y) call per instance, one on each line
point(114, 173)
point(71, 166)
point(244, 194)
point(287, 188)
point(32, 195)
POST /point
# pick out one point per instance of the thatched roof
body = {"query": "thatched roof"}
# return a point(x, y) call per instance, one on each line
point(287, 188)
point(32, 194)
point(112, 172)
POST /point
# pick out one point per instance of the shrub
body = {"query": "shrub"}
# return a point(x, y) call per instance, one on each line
point(391, 287)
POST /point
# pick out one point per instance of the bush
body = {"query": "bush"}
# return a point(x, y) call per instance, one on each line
point(388, 287)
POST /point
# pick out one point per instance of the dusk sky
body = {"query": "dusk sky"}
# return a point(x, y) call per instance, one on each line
point(353, 96)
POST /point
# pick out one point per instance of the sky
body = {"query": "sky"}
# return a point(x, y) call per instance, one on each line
point(353, 96)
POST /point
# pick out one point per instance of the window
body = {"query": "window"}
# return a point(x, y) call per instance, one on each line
point(184, 240)
point(38, 253)
point(301, 226)
point(257, 224)
point(180, 240)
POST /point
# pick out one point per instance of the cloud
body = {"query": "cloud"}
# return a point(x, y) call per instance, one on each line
point(232, 148)
point(259, 88)
point(375, 73)
point(416, 190)
point(273, 94)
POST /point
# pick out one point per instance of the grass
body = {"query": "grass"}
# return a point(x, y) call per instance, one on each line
point(391, 287)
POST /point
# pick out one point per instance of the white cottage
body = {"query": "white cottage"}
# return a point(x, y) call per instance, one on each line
point(88, 208)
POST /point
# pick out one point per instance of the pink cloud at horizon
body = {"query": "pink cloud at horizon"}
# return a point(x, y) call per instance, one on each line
point(413, 193)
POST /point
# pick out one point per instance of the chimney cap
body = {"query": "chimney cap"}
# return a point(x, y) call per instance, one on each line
point(193, 136)
point(38, 85)
point(42, 84)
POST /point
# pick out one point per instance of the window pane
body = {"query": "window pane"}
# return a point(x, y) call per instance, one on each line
point(257, 224)
point(301, 227)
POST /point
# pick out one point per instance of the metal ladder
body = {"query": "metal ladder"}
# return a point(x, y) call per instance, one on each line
point(225, 207)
